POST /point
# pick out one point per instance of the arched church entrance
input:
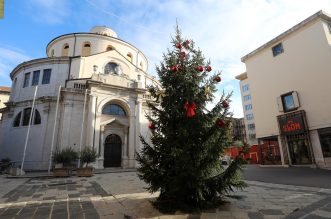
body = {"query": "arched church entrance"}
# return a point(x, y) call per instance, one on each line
point(112, 151)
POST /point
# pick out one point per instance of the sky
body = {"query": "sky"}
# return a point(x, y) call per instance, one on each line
point(225, 30)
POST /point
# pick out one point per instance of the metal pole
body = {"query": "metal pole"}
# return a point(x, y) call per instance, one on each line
point(81, 131)
point(28, 132)
point(52, 145)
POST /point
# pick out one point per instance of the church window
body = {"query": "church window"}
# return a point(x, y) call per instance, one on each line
point(86, 49)
point(26, 116)
point(26, 79)
point(17, 120)
point(65, 50)
point(109, 48)
point(36, 119)
point(129, 57)
point(46, 76)
point(113, 109)
point(112, 68)
point(35, 77)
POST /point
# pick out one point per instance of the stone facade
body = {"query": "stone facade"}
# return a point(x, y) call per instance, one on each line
point(100, 81)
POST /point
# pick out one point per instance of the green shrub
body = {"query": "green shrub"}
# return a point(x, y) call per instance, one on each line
point(88, 155)
point(65, 156)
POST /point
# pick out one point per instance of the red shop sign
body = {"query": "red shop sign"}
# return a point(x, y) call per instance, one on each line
point(291, 125)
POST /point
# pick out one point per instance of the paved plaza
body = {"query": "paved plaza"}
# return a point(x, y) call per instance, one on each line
point(122, 195)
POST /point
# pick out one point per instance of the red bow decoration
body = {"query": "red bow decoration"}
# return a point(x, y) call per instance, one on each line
point(190, 109)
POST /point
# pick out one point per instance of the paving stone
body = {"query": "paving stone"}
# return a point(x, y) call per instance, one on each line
point(11, 211)
point(313, 216)
point(255, 215)
point(322, 213)
point(62, 215)
point(271, 212)
point(327, 208)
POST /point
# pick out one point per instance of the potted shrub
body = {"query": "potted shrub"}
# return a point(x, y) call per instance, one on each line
point(87, 156)
point(65, 158)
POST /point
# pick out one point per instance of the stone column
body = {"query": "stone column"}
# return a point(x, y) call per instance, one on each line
point(125, 148)
point(138, 122)
point(102, 142)
point(281, 149)
point(97, 133)
point(91, 120)
point(132, 133)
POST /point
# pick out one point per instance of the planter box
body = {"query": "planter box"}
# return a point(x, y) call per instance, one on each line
point(61, 172)
point(86, 171)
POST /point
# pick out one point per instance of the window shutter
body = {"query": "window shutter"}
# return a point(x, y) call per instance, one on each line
point(280, 104)
point(296, 99)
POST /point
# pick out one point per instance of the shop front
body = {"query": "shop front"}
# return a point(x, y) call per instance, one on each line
point(294, 132)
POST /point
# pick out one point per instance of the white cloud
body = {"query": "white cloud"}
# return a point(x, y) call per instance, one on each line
point(9, 58)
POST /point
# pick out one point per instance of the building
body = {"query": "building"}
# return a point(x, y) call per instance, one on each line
point(246, 99)
point(100, 81)
point(4, 97)
point(238, 130)
point(289, 79)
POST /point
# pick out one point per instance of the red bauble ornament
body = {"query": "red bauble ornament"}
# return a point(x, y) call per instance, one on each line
point(199, 68)
point(173, 68)
point(190, 109)
point(178, 46)
point(217, 79)
point(208, 68)
point(151, 126)
point(220, 122)
point(225, 104)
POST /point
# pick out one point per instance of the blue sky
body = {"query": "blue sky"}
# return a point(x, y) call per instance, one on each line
point(225, 30)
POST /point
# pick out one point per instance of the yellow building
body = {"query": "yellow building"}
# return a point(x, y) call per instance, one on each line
point(4, 97)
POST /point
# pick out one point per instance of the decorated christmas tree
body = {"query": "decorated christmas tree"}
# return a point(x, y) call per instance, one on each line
point(181, 160)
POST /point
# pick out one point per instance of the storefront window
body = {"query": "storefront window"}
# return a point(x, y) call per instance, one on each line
point(325, 139)
point(299, 149)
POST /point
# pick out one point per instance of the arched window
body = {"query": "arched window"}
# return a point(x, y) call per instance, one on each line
point(129, 57)
point(52, 53)
point(26, 116)
point(65, 50)
point(86, 51)
point(36, 119)
point(17, 120)
point(109, 48)
point(141, 65)
point(112, 68)
point(113, 109)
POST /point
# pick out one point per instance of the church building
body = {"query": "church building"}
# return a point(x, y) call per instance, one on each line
point(90, 91)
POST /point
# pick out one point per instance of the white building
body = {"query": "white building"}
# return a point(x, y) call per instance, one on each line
point(289, 79)
point(246, 99)
point(113, 75)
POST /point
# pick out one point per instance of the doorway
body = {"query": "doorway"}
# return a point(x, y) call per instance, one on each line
point(112, 151)
point(299, 149)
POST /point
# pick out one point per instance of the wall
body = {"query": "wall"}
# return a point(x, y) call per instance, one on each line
point(59, 75)
point(303, 67)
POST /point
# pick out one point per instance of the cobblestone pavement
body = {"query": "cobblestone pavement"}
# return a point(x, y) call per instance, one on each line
point(122, 195)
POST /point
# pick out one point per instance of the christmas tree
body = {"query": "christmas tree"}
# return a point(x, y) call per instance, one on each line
point(181, 160)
